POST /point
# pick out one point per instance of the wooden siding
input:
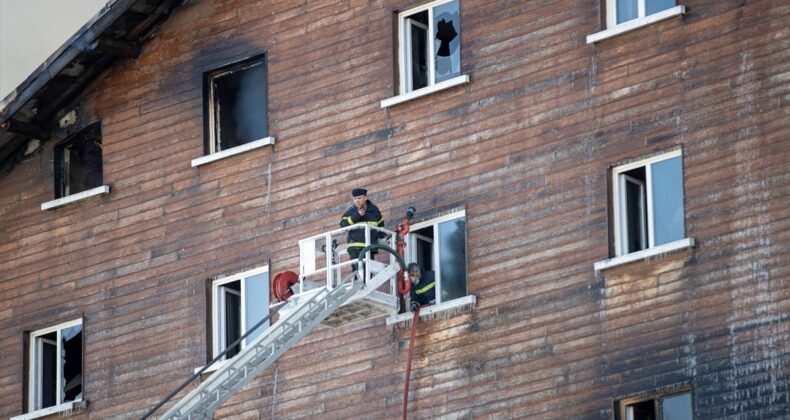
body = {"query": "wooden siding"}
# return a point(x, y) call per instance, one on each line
point(525, 148)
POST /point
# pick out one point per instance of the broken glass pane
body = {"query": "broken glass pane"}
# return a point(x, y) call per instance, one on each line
point(447, 44)
point(452, 259)
point(71, 345)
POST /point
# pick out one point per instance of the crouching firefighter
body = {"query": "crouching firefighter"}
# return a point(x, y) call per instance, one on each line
point(362, 212)
point(423, 287)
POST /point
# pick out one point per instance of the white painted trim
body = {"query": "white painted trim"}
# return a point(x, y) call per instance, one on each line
point(212, 368)
point(60, 202)
point(434, 309)
point(216, 340)
point(455, 81)
point(635, 24)
point(257, 144)
point(644, 254)
point(61, 408)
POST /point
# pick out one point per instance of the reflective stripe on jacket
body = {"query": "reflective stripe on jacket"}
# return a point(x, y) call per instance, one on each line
point(356, 237)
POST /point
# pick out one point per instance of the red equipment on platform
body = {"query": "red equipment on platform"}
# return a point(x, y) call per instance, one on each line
point(281, 286)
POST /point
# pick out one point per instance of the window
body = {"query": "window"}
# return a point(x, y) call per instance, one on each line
point(78, 162)
point(648, 203)
point(430, 45)
point(236, 105)
point(439, 245)
point(663, 407)
point(621, 11)
point(55, 375)
point(238, 303)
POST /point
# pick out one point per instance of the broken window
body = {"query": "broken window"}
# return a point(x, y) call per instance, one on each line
point(236, 105)
point(648, 203)
point(78, 162)
point(439, 246)
point(238, 303)
point(674, 406)
point(55, 365)
point(430, 44)
point(621, 11)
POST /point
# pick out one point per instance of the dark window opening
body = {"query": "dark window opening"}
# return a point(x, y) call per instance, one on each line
point(231, 303)
point(78, 162)
point(418, 48)
point(636, 203)
point(237, 105)
point(676, 406)
point(56, 374)
point(431, 42)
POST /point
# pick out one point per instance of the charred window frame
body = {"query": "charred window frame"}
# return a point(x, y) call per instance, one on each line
point(235, 105)
point(238, 302)
point(673, 404)
point(55, 366)
point(429, 44)
point(78, 162)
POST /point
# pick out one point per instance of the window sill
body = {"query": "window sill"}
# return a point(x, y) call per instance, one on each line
point(419, 93)
point(645, 254)
point(257, 144)
point(212, 368)
point(55, 409)
point(635, 24)
point(435, 311)
point(60, 202)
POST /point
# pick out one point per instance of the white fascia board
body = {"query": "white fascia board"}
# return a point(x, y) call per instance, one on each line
point(644, 254)
point(257, 144)
point(455, 81)
point(55, 409)
point(635, 24)
point(60, 202)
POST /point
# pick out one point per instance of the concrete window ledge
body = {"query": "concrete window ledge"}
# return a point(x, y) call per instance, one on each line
point(435, 311)
point(62, 409)
point(635, 24)
point(645, 254)
point(60, 202)
point(419, 93)
point(257, 144)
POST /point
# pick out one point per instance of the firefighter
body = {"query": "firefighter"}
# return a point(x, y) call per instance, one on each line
point(423, 286)
point(363, 211)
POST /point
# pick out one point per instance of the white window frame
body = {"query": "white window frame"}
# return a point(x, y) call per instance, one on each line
point(34, 382)
point(218, 340)
point(404, 61)
point(613, 29)
point(657, 398)
point(619, 202)
point(412, 248)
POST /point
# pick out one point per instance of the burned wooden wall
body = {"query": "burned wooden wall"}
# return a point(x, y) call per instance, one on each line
point(525, 147)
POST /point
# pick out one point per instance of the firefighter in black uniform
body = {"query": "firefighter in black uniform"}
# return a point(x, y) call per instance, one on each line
point(363, 211)
point(423, 286)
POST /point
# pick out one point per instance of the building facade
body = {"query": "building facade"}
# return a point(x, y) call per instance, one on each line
point(615, 176)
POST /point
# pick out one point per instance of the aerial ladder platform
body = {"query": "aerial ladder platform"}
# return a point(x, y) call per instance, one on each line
point(327, 291)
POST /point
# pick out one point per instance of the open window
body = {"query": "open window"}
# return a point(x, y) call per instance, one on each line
point(236, 105)
point(659, 406)
point(238, 302)
point(430, 44)
point(439, 246)
point(648, 203)
point(55, 366)
point(78, 162)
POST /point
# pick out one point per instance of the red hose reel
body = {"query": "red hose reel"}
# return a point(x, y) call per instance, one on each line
point(281, 285)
